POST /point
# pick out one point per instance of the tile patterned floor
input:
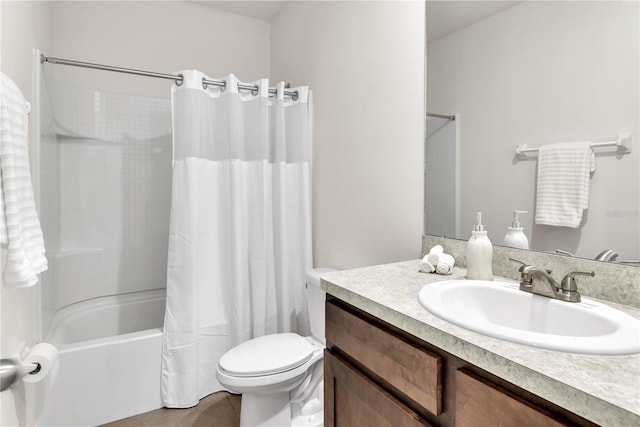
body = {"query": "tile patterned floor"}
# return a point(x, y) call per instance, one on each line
point(216, 410)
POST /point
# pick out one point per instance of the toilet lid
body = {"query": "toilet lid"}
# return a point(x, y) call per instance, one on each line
point(267, 355)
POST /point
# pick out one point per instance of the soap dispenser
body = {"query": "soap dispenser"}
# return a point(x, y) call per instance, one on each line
point(515, 237)
point(479, 253)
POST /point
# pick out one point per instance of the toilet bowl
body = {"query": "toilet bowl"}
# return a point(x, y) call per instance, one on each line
point(273, 372)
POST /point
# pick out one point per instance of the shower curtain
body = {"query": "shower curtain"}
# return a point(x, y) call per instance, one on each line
point(240, 232)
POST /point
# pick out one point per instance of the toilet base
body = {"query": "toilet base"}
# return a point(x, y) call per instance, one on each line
point(267, 409)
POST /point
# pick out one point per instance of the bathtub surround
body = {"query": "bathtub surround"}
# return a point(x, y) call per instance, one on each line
point(105, 173)
point(240, 233)
point(105, 188)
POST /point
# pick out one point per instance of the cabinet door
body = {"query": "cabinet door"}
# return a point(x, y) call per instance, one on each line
point(480, 403)
point(352, 399)
point(409, 369)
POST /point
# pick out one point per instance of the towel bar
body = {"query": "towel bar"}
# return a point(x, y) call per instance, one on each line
point(622, 144)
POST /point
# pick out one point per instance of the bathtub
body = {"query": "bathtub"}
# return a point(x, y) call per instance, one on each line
point(109, 352)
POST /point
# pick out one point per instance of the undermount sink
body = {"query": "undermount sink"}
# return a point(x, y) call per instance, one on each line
point(501, 310)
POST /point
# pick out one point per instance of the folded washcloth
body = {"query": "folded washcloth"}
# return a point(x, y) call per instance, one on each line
point(426, 266)
point(445, 266)
point(20, 230)
point(433, 258)
point(437, 249)
point(430, 260)
point(562, 192)
point(436, 261)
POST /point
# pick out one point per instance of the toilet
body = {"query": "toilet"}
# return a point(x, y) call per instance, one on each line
point(280, 376)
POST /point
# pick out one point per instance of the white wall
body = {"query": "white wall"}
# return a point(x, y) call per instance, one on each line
point(25, 25)
point(161, 36)
point(365, 64)
point(543, 72)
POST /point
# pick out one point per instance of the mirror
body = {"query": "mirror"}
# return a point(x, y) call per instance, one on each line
point(532, 73)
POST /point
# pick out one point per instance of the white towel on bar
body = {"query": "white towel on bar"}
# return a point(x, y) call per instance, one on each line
point(20, 231)
point(562, 191)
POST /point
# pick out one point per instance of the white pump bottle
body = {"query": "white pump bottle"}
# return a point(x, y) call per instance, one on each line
point(515, 236)
point(479, 253)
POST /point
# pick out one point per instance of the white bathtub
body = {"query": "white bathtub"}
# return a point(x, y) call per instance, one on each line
point(109, 350)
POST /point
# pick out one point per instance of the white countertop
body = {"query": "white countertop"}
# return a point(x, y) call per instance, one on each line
point(602, 389)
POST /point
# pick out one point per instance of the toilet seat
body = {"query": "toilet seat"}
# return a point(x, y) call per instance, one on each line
point(266, 355)
point(269, 383)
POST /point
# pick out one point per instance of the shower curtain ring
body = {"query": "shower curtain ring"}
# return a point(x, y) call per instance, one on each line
point(221, 84)
point(255, 90)
point(179, 82)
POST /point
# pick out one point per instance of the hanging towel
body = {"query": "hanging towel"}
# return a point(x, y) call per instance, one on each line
point(562, 192)
point(20, 231)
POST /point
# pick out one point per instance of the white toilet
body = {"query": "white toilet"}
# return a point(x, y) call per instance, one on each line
point(277, 372)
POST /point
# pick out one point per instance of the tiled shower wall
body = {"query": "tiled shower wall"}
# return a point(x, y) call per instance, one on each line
point(106, 186)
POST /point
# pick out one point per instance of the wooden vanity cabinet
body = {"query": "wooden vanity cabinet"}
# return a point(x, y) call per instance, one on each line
point(378, 375)
point(356, 400)
point(481, 403)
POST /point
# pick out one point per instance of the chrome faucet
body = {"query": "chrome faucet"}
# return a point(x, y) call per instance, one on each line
point(566, 290)
point(607, 255)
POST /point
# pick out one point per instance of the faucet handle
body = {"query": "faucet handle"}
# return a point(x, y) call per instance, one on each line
point(525, 265)
point(569, 282)
point(561, 252)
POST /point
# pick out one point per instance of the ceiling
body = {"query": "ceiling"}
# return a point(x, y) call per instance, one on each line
point(265, 10)
point(443, 16)
point(448, 16)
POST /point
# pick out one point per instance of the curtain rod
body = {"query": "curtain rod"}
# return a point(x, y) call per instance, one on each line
point(177, 78)
point(441, 116)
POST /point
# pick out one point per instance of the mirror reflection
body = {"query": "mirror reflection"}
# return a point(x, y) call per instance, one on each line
point(532, 74)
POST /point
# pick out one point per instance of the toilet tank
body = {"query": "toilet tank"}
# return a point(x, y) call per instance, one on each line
point(315, 302)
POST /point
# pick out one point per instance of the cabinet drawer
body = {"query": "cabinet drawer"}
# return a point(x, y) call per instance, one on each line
point(352, 399)
point(409, 369)
point(481, 403)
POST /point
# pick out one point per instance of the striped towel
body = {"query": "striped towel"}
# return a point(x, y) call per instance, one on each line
point(562, 192)
point(20, 231)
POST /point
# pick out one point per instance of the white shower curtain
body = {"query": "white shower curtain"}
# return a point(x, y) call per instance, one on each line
point(240, 232)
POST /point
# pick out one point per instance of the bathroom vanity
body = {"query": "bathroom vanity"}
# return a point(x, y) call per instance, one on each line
point(391, 362)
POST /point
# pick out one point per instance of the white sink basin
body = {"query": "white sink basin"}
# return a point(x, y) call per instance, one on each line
point(501, 310)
